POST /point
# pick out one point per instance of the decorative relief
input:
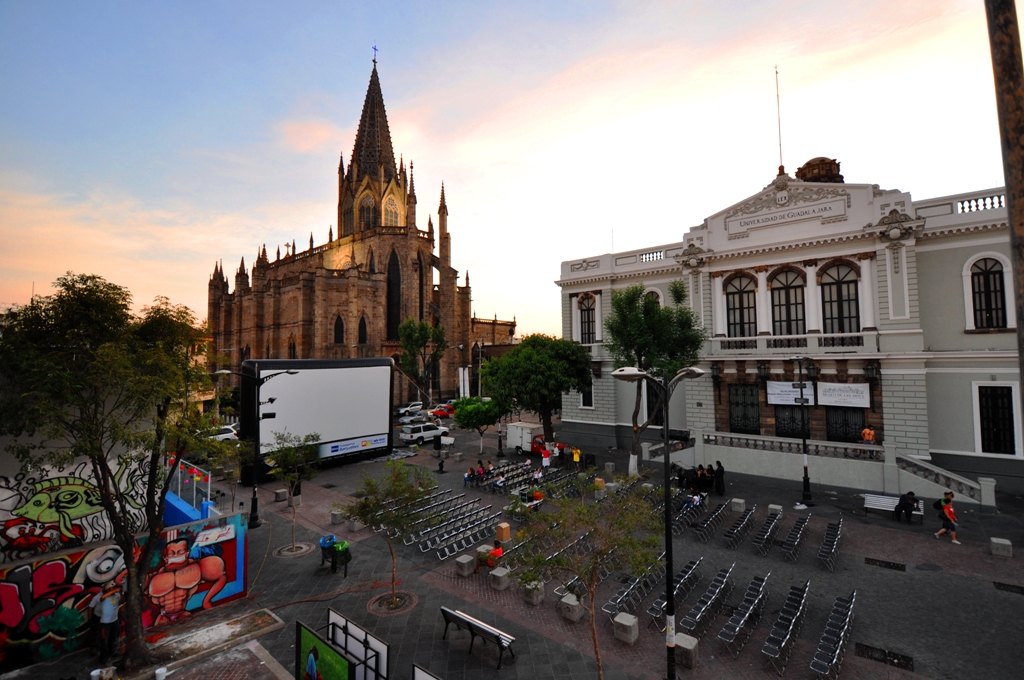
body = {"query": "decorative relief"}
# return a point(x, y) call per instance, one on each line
point(585, 265)
point(761, 268)
point(869, 255)
point(717, 274)
point(692, 257)
point(794, 196)
point(896, 227)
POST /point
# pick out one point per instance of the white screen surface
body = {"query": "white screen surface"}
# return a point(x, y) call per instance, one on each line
point(348, 407)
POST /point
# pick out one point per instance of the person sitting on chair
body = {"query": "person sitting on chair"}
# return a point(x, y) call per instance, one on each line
point(498, 482)
point(491, 558)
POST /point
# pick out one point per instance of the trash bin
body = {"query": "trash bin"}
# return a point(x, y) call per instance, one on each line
point(342, 556)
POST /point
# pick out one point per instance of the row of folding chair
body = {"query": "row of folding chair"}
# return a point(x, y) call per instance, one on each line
point(410, 510)
point(445, 532)
point(740, 528)
point(791, 548)
point(428, 524)
point(698, 619)
point(766, 534)
point(685, 580)
point(828, 660)
point(746, 616)
point(469, 536)
point(829, 550)
point(575, 490)
point(688, 516)
point(580, 546)
point(635, 590)
point(709, 525)
point(779, 645)
point(489, 477)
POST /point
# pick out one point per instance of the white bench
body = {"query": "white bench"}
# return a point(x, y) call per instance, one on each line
point(888, 504)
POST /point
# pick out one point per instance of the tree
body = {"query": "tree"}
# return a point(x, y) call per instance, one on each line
point(386, 506)
point(296, 459)
point(621, 532)
point(476, 413)
point(536, 374)
point(641, 332)
point(423, 346)
point(82, 377)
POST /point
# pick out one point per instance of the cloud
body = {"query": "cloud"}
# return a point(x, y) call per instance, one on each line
point(312, 136)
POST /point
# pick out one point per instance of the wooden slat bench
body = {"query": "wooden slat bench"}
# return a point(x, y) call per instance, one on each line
point(478, 629)
point(888, 504)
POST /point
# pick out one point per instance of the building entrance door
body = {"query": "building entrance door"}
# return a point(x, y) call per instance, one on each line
point(744, 410)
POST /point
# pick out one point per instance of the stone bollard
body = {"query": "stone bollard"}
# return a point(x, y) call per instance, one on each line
point(337, 517)
point(484, 550)
point(294, 501)
point(280, 495)
point(465, 565)
point(988, 493)
point(599, 482)
point(611, 487)
point(1001, 547)
point(458, 456)
point(686, 650)
point(570, 608)
point(500, 579)
point(738, 505)
point(599, 494)
point(609, 468)
point(775, 508)
point(647, 487)
point(627, 628)
point(532, 593)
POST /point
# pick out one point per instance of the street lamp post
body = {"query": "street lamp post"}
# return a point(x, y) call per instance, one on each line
point(665, 387)
point(812, 373)
point(254, 509)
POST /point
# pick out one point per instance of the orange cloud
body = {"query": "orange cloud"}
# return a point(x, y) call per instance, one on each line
point(312, 136)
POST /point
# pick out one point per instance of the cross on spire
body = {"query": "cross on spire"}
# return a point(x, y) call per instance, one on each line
point(374, 48)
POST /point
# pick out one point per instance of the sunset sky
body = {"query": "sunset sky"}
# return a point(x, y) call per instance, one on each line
point(145, 141)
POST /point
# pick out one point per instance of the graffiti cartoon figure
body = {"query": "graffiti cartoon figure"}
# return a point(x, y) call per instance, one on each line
point(171, 586)
point(55, 504)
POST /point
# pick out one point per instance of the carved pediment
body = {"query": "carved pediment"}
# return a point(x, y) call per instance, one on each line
point(782, 194)
point(584, 265)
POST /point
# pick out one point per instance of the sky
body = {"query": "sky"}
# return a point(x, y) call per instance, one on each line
point(145, 141)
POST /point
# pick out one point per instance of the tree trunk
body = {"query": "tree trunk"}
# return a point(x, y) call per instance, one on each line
point(545, 419)
point(293, 521)
point(137, 654)
point(591, 595)
point(394, 571)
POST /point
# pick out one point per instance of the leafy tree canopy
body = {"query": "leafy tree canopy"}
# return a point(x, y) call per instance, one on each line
point(536, 373)
point(476, 413)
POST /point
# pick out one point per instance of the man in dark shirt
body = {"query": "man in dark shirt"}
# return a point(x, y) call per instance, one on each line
point(907, 504)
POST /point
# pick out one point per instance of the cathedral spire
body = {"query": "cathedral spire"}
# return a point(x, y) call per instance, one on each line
point(373, 148)
point(412, 182)
point(443, 206)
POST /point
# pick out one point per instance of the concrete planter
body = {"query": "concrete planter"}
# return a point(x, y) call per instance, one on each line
point(355, 525)
point(337, 517)
point(532, 593)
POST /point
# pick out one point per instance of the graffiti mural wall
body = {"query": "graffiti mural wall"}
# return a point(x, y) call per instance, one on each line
point(60, 508)
point(44, 604)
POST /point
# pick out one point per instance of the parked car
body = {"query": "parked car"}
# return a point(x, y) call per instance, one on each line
point(411, 407)
point(225, 432)
point(417, 434)
point(413, 417)
point(443, 411)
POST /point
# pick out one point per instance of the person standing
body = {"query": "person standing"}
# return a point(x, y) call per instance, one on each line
point(719, 478)
point(948, 518)
point(906, 504)
point(545, 458)
point(576, 458)
point(107, 605)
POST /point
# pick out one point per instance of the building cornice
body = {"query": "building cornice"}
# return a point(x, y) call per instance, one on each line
point(961, 229)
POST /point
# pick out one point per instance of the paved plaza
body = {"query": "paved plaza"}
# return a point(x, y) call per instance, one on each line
point(919, 600)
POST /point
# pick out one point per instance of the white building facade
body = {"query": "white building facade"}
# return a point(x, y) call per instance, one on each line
point(903, 307)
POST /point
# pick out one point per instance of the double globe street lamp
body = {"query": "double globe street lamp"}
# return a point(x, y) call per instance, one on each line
point(254, 509)
point(665, 388)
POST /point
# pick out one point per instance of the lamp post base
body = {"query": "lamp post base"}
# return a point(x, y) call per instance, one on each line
point(254, 512)
point(807, 489)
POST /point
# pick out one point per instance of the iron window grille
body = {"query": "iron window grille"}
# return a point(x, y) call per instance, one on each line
point(995, 406)
point(588, 309)
point(789, 420)
point(988, 291)
point(741, 307)
point(744, 409)
point(844, 424)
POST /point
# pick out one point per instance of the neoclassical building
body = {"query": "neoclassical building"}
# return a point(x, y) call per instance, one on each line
point(903, 308)
point(348, 296)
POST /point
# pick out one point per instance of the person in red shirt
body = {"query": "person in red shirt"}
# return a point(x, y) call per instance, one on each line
point(491, 558)
point(948, 518)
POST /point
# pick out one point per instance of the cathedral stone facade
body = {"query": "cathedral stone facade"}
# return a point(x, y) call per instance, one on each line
point(347, 297)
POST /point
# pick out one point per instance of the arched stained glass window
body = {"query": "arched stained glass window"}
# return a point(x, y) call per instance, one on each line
point(368, 213)
point(391, 213)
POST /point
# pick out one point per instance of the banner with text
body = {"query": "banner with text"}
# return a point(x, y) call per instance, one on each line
point(784, 394)
point(856, 395)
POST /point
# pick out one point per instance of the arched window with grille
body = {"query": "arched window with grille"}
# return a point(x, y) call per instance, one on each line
point(788, 304)
point(362, 330)
point(391, 213)
point(372, 267)
point(368, 213)
point(741, 307)
point(653, 297)
point(588, 318)
point(394, 297)
point(339, 331)
point(987, 289)
point(840, 305)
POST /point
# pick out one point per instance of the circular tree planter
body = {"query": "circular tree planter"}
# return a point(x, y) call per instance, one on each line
point(381, 605)
point(298, 550)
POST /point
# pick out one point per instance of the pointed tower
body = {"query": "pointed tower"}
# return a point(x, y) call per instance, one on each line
point(373, 148)
point(442, 225)
point(410, 201)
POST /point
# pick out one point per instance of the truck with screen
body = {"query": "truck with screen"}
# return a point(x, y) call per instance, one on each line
point(346, 401)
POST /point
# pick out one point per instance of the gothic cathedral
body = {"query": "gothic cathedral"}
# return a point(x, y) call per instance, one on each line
point(347, 297)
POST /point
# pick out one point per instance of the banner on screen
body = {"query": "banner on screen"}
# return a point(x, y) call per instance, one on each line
point(856, 395)
point(784, 394)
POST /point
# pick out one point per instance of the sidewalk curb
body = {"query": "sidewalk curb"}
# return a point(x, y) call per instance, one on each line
point(215, 649)
point(272, 664)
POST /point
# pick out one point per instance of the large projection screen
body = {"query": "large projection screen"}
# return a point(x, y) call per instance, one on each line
point(346, 401)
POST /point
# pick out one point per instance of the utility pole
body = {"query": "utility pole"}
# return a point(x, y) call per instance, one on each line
point(1008, 73)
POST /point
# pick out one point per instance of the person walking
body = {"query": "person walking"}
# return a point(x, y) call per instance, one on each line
point(719, 478)
point(948, 516)
point(107, 605)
